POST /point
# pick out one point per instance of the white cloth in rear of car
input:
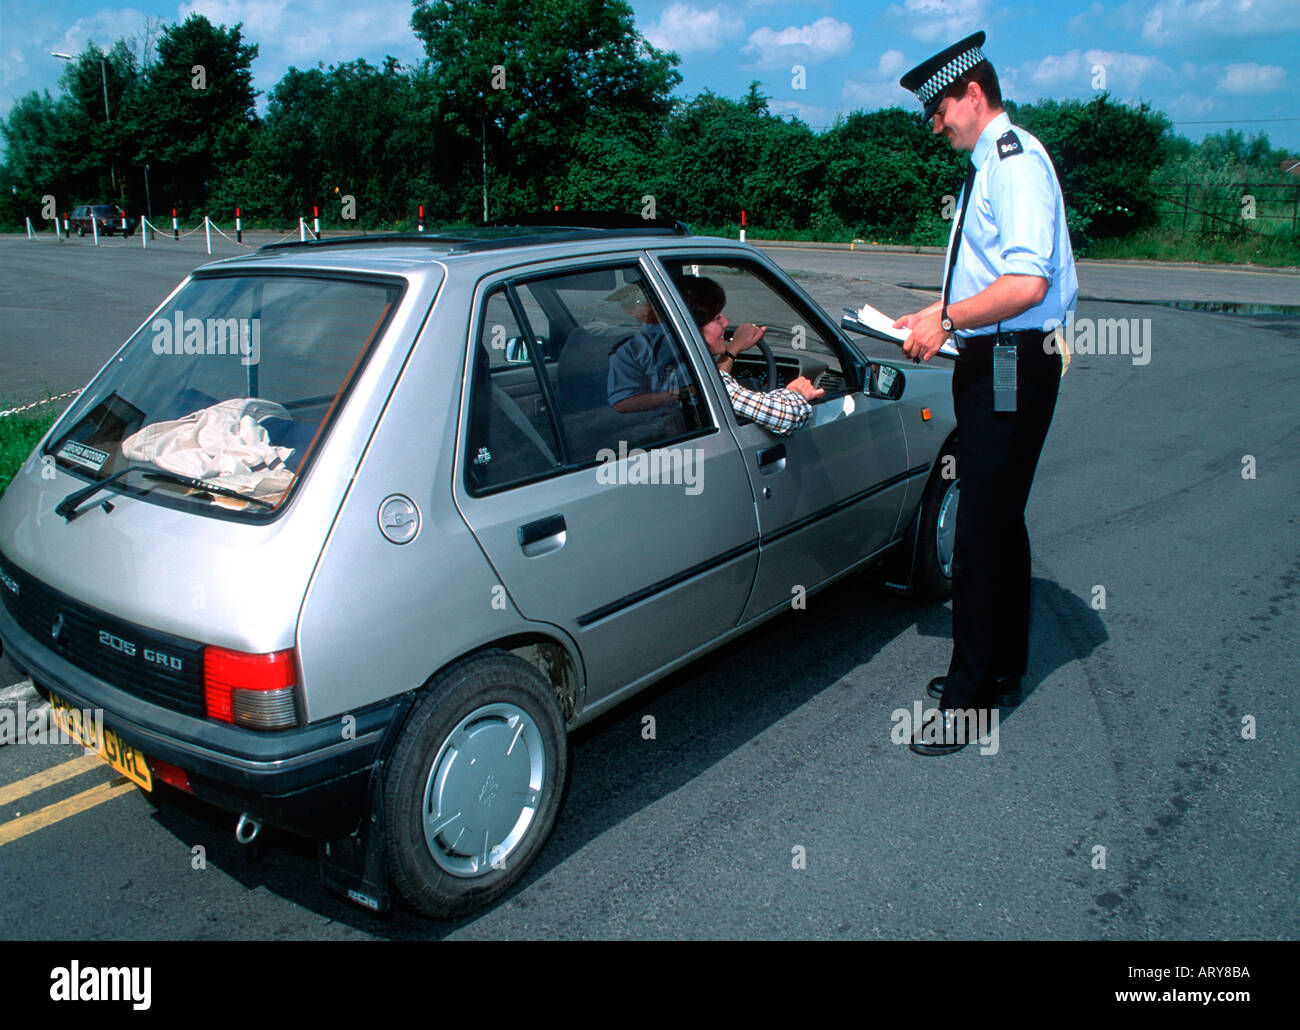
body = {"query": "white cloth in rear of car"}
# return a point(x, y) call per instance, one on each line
point(224, 443)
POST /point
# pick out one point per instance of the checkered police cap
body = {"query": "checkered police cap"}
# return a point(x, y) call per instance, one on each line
point(930, 78)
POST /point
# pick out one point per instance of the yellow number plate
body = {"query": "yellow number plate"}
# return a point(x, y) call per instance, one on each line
point(91, 733)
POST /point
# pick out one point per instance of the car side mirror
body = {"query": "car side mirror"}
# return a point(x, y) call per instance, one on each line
point(886, 382)
point(516, 351)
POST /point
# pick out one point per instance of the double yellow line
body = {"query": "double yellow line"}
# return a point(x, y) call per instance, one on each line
point(51, 814)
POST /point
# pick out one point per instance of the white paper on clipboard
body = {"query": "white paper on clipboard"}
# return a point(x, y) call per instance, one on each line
point(874, 318)
point(877, 323)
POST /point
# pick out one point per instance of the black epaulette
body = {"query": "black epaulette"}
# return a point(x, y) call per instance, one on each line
point(1008, 144)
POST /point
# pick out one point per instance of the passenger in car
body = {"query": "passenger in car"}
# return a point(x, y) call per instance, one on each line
point(783, 410)
point(645, 372)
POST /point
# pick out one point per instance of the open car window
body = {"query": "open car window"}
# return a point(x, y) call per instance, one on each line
point(799, 341)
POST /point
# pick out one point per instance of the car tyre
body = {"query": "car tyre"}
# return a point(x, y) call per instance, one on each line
point(474, 784)
point(937, 531)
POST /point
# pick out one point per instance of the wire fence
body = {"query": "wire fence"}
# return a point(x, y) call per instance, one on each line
point(1230, 208)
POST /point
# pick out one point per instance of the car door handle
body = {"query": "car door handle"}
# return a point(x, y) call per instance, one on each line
point(543, 536)
point(771, 459)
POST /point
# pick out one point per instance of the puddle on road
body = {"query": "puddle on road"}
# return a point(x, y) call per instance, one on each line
point(1218, 307)
point(1223, 307)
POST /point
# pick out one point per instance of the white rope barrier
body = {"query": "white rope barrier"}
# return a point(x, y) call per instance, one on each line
point(37, 404)
point(303, 231)
point(246, 246)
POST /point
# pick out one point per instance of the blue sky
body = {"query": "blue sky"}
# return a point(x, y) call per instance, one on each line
point(1208, 64)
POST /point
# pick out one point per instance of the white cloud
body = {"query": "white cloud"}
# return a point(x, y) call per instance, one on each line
point(1173, 21)
point(1080, 23)
point(103, 28)
point(1190, 104)
point(939, 21)
point(1253, 78)
point(809, 114)
point(891, 63)
point(264, 24)
point(686, 28)
point(303, 32)
point(1078, 68)
point(872, 94)
point(804, 44)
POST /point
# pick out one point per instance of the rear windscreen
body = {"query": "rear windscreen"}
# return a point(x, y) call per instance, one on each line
point(223, 397)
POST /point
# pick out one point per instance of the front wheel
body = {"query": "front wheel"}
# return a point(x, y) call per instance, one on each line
point(937, 530)
point(474, 784)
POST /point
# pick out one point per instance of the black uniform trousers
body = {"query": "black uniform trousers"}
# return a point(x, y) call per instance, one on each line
point(997, 453)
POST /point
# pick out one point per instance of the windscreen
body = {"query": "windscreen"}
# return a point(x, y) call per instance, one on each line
point(223, 397)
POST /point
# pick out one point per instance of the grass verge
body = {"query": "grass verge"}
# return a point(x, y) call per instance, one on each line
point(1275, 251)
point(18, 435)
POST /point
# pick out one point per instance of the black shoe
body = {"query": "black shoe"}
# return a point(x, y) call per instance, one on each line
point(1008, 693)
point(1008, 690)
point(945, 732)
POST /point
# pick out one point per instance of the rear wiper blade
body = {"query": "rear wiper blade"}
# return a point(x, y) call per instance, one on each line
point(70, 508)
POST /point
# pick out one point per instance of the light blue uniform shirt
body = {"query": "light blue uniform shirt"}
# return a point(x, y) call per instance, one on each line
point(1015, 225)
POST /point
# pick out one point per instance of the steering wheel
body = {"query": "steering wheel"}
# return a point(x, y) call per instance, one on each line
point(766, 349)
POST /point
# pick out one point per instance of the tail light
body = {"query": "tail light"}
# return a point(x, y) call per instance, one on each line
point(254, 690)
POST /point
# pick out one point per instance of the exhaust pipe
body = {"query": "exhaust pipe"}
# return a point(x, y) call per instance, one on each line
point(247, 830)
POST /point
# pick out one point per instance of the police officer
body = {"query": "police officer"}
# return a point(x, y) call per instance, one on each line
point(1009, 279)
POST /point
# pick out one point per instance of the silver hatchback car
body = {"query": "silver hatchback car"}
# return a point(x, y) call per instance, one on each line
point(350, 534)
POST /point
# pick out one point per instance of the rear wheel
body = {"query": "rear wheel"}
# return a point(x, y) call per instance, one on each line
point(474, 784)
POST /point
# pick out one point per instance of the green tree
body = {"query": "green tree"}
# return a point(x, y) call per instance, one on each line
point(887, 176)
point(1105, 154)
point(353, 130)
point(523, 80)
point(196, 114)
point(67, 147)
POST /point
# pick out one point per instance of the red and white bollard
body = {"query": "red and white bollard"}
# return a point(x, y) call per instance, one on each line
point(65, 225)
point(421, 218)
point(742, 225)
point(239, 228)
point(176, 229)
point(315, 221)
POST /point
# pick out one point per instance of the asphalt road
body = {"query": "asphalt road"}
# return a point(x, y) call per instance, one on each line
point(1146, 789)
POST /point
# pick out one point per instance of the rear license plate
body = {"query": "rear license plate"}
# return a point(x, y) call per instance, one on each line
point(95, 736)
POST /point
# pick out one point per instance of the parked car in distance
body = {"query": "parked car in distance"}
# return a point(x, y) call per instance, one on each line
point(107, 217)
point(350, 535)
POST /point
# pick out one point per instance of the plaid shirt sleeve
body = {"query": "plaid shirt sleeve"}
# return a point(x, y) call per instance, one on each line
point(782, 411)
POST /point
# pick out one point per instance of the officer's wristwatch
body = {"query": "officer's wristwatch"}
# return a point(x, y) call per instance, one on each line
point(722, 356)
point(946, 322)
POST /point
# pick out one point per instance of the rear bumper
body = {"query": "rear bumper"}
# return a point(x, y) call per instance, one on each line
point(311, 780)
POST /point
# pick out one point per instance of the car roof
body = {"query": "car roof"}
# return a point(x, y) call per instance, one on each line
point(475, 251)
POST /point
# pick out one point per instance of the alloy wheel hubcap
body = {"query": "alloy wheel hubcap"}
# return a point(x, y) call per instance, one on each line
point(483, 790)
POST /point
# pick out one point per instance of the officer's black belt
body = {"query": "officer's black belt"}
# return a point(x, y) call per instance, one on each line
point(985, 341)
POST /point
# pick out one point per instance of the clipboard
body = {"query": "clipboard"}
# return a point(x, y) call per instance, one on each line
point(870, 321)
